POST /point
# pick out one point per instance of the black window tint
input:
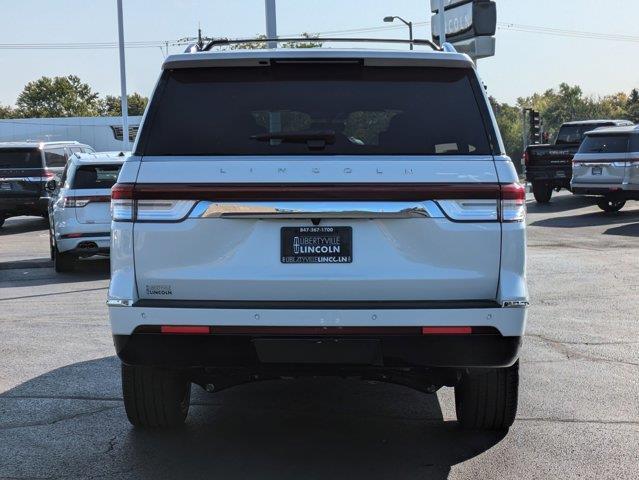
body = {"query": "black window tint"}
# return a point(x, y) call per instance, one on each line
point(575, 133)
point(20, 158)
point(605, 144)
point(95, 176)
point(634, 143)
point(322, 109)
point(55, 157)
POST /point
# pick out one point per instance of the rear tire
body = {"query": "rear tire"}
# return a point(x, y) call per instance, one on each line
point(542, 192)
point(154, 397)
point(487, 399)
point(62, 262)
point(610, 206)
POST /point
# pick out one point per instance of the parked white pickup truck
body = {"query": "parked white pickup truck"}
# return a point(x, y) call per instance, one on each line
point(308, 212)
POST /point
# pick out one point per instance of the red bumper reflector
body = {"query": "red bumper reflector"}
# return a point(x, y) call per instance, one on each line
point(71, 235)
point(447, 330)
point(192, 330)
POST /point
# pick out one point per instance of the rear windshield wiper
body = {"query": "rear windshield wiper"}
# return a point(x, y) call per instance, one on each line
point(312, 138)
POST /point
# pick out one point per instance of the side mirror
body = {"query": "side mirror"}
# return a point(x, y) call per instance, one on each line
point(51, 185)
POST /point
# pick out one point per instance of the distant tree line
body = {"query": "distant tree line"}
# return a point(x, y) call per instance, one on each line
point(565, 104)
point(68, 96)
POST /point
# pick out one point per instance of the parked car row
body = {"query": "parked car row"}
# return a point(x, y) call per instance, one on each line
point(79, 208)
point(25, 167)
point(66, 182)
point(596, 158)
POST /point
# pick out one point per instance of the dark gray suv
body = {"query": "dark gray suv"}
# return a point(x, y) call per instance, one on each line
point(25, 167)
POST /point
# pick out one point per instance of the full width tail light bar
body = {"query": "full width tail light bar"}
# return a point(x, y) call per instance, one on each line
point(461, 202)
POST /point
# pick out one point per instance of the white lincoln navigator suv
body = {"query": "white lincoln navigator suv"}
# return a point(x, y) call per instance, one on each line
point(310, 212)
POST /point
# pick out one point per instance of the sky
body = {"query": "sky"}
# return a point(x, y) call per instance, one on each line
point(526, 61)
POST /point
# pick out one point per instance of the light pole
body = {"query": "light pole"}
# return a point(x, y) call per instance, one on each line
point(408, 24)
point(123, 96)
point(442, 23)
point(271, 22)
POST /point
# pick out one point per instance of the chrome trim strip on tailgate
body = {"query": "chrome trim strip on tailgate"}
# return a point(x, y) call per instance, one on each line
point(305, 210)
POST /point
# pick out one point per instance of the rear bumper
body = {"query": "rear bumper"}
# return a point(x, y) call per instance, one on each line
point(249, 346)
point(86, 245)
point(555, 177)
point(509, 322)
point(255, 352)
point(617, 191)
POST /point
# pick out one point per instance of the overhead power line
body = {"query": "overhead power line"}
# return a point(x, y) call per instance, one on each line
point(560, 32)
point(515, 27)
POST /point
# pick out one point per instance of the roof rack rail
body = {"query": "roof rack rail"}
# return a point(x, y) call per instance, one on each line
point(449, 47)
point(219, 42)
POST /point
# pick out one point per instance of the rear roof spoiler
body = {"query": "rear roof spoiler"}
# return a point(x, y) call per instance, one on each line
point(200, 54)
point(263, 58)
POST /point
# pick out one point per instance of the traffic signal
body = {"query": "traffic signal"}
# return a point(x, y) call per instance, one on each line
point(535, 127)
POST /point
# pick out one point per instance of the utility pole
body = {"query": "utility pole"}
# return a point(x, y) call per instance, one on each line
point(271, 22)
point(442, 23)
point(524, 128)
point(124, 104)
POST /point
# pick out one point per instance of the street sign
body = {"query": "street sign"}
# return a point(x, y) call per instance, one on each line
point(476, 48)
point(434, 4)
point(475, 18)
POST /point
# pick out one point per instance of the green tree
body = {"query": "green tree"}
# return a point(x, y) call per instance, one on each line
point(57, 97)
point(111, 106)
point(632, 106)
point(509, 120)
point(7, 112)
point(257, 45)
point(565, 104)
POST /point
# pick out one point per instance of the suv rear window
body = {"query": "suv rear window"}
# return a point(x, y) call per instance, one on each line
point(20, 158)
point(575, 133)
point(95, 176)
point(605, 144)
point(323, 109)
point(55, 157)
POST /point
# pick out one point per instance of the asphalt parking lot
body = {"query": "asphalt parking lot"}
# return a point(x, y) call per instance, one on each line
point(61, 414)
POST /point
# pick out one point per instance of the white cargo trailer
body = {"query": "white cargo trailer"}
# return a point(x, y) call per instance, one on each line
point(102, 133)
